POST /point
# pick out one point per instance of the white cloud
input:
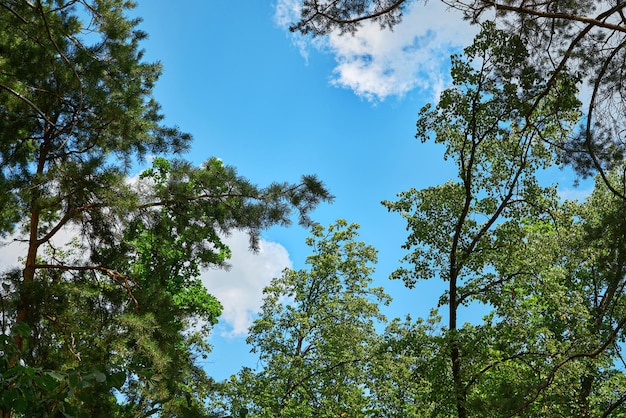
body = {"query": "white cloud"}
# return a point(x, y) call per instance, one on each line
point(377, 63)
point(240, 289)
point(10, 253)
point(579, 194)
point(286, 12)
point(13, 248)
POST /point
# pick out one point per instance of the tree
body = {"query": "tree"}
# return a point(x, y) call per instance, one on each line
point(315, 334)
point(459, 229)
point(121, 306)
point(560, 310)
point(547, 270)
point(405, 374)
point(583, 40)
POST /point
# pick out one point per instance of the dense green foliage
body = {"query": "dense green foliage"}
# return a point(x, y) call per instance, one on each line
point(315, 334)
point(111, 322)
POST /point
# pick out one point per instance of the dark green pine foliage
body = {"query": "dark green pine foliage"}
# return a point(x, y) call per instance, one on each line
point(120, 305)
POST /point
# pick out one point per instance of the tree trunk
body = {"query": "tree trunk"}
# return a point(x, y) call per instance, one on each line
point(459, 391)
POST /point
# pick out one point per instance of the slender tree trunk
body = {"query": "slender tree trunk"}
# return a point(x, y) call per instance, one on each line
point(586, 383)
point(608, 298)
point(28, 279)
point(455, 355)
point(25, 298)
point(28, 274)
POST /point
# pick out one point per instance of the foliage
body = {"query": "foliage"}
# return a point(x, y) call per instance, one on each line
point(405, 374)
point(121, 305)
point(112, 322)
point(315, 334)
point(500, 239)
point(550, 274)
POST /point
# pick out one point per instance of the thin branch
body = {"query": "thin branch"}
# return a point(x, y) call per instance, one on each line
point(374, 15)
point(14, 13)
point(588, 142)
point(597, 21)
point(593, 354)
point(485, 369)
point(29, 103)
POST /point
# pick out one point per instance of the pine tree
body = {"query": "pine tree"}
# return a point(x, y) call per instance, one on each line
point(117, 304)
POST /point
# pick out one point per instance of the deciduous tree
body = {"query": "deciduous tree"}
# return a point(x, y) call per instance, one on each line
point(316, 334)
point(498, 238)
point(459, 228)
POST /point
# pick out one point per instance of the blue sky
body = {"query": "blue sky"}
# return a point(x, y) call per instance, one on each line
point(277, 106)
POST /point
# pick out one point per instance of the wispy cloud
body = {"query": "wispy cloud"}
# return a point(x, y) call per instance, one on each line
point(377, 64)
point(13, 248)
point(240, 289)
point(579, 194)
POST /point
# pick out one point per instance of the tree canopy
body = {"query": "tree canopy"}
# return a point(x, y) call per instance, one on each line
point(548, 272)
point(315, 334)
point(121, 306)
point(105, 315)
